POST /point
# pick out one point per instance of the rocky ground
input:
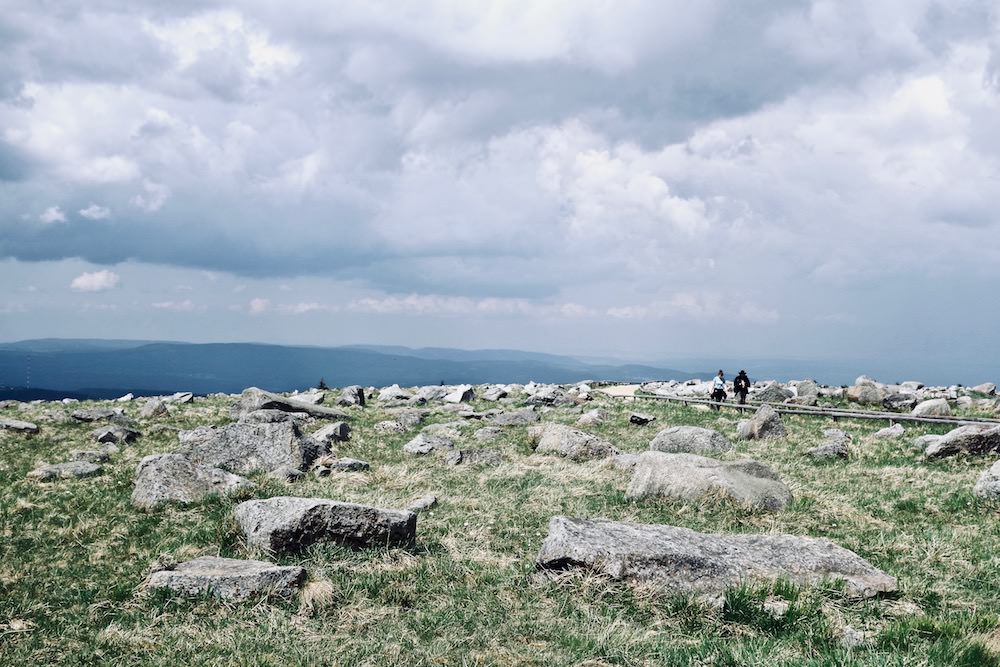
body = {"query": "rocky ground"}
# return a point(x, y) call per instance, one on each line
point(535, 525)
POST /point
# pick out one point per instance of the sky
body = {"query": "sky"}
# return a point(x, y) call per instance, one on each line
point(647, 180)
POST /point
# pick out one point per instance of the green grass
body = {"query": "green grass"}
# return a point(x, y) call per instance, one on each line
point(74, 554)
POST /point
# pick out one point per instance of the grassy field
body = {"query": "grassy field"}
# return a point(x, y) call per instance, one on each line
point(74, 555)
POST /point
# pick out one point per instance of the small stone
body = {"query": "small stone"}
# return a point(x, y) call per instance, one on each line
point(389, 426)
point(890, 432)
point(230, 578)
point(286, 474)
point(114, 434)
point(475, 457)
point(422, 504)
point(641, 419)
point(487, 434)
point(591, 418)
point(425, 444)
point(71, 470)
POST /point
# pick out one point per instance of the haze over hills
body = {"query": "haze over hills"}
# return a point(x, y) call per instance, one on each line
point(51, 368)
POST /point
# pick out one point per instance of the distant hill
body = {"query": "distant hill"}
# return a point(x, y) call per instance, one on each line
point(103, 369)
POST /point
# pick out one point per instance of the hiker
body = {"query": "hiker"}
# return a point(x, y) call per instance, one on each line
point(741, 386)
point(719, 389)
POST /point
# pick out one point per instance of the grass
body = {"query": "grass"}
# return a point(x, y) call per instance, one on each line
point(74, 554)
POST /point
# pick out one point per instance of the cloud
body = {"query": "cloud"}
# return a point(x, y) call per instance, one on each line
point(153, 197)
point(95, 212)
point(258, 306)
point(52, 214)
point(185, 306)
point(97, 281)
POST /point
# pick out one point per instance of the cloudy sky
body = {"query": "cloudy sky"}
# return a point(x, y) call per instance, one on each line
point(651, 180)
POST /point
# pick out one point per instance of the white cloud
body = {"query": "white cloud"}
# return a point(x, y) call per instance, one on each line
point(95, 212)
point(185, 306)
point(153, 198)
point(433, 304)
point(259, 305)
point(97, 281)
point(52, 214)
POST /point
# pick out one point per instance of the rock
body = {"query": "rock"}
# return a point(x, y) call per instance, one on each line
point(96, 414)
point(850, 638)
point(243, 447)
point(286, 524)
point(393, 393)
point(911, 386)
point(625, 461)
point(446, 429)
point(865, 394)
point(640, 419)
point(494, 393)
point(72, 470)
point(689, 440)
point(389, 426)
point(834, 446)
point(163, 478)
point(691, 477)
point(567, 441)
point(988, 484)
point(987, 388)
point(684, 561)
point(925, 441)
point(429, 393)
point(487, 434)
point(935, 407)
point(180, 398)
point(10, 404)
point(806, 389)
point(124, 399)
point(257, 399)
point(522, 417)
point(899, 402)
point(766, 423)
point(425, 443)
point(972, 439)
point(18, 426)
point(421, 504)
point(462, 394)
point(894, 431)
point(474, 457)
point(408, 417)
point(772, 393)
point(273, 417)
point(353, 395)
point(335, 432)
point(546, 395)
point(115, 434)
point(591, 418)
point(153, 408)
point(230, 578)
point(325, 467)
point(315, 397)
point(102, 455)
point(286, 474)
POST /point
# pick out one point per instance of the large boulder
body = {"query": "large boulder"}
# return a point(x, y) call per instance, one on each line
point(162, 478)
point(690, 440)
point(890, 432)
point(865, 393)
point(899, 402)
point(335, 432)
point(987, 388)
point(972, 439)
point(153, 408)
point(935, 407)
point(772, 393)
point(245, 446)
point(257, 399)
point(766, 423)
point(285, 524)
point(988, 484)
point(353, 395)
point(18, 426)
point(684, 561)
point(394, 393)
point(522, 417)
point(690, 476)
point(229, 578)
point(461, 394)
point(806, 389)
point(593, 417)
point(567, 441)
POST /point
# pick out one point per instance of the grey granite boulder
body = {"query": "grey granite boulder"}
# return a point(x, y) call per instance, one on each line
point(71, 470)
point(971, 439)
point(570, 442)
point(327, 466)
point(487, 433)
point(102, 455)
point(684, 561)
point(162, 478)
point(772, 393)
point(243, 447)
point(889, 432)
point(286, 524)
point(935, 407)
point(96, 414)
point(389, 426)
point(591, 418)
point(422, 504)
point(766, 423)
point(475, 457)
point(522, 417)
point(690, 440)
point(335, 432)
point(899, 402)
point(257, 399)
point(18, 426)
point(425, 443)
point(353, 395)
point(115, 434)
point(988, 484)
point(229, 578)
point(691, 476)
point(394, 393)
point(460, 394)
point(153, 408)
point(834, 446)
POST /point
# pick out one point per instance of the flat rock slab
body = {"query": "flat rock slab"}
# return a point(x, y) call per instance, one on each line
point(70, 470)
point(162, 478)
point(516, 418)
point(115, 434)
point(690, 440)
point(96, 414)
point(336, 432)
point(288, 524)
point(572, 443)
point(475, 457)
point(422, 504)
point(230, 578)
point(685, 561)
point(18, 426)
point(243, 447)
point(425, 443)
point(257, 399)
point(340, 465)
point(971, 439)
point(691, 476)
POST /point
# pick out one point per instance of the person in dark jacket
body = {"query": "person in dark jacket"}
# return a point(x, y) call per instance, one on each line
point(741, 386)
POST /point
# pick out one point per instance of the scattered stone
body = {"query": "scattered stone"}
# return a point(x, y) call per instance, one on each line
point(180, 397)
point(230, 578)
point(973, 439)
point(243, 447)
point(625, 461)
point(987, 388)
point(124, 399)
point(988, 484)
point(96, 414)
point(925, 441)
point(690, 440)
point(393, 393)
point(286, 474)
point(102, 455)
point(487, 434)
point(408, 417)
point(163, 478)
point(591, 418)
point(935, 407)
point(335, 432)
point(850, 638)
point(522, 417)
point(806, 389)
point(772, 393)
point(425, 443)
point(115, 434)
point(71, 470)
point(691, 477)
point(766, 423)
point(474, 457)
point(287, 524)
point(253, 399)
point(353, 395)
point(325, 467)
point(494, 393)
point(899, 402)
point(446, 429)
point(889, 432)
point(963, 402)
point(685, 561)
point(421, 504)
point(315, 397)
point(389, 426)
point(462, 394)
point(10, 403)
point(18, 426)
point(865, 392)
point(567, 441)
point(834, 446)
point(640, 419)
point(153, 408)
